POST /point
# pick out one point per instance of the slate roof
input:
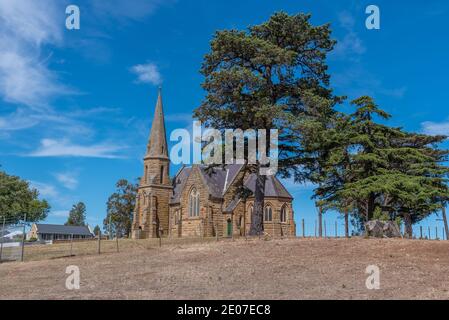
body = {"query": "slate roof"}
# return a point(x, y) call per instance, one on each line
point(219, 181)
point(60, 229)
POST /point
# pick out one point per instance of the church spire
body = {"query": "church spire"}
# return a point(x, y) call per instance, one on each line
point(157, 144)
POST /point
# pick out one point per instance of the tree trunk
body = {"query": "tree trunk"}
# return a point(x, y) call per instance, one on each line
point(320, 222)
point(257, 216)
point(446, 227)
point(408, 225)
point(346, 223)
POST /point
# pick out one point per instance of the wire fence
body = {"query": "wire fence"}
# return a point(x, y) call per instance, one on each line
point(336, 229)
point(12, 240)
point(14, 245)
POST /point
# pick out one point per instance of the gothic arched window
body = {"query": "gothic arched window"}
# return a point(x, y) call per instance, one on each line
point(194, 203)
point(284, 214)
point(268, 216)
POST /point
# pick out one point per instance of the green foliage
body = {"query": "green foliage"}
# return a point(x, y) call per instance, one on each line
point(379, 215)
point(380, 171)
point(120, 206)
point(260, 79)
point(96, 230)
point(18, 199)
point(77, 215)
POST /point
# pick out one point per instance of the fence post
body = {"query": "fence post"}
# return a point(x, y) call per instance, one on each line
point(436, 233)
point(23, 239)
point(420, 232)
point(320, 222)
point(315, 228)
point(303, 228)
point(1, 241)
point(71, 245)
point(99, 242)
point(116, 239)
point(430, 236)
point(336, 230)
point(325, 229)
point(346, 223)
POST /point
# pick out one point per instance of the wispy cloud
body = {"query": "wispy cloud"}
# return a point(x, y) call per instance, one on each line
point(68, 179)
point(25, 28)
point(60, 213)
point(147, 73)
point(351, 45)
point(435, 128)
point(65, 148)
point(45, 190)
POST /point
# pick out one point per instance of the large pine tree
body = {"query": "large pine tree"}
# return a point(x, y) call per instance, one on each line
point(258, 79)
point(371, 166)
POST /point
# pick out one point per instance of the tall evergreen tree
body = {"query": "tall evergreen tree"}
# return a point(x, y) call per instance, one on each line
point(120, 208)
point(77, 215)
point(372, 166)
point(257, 79)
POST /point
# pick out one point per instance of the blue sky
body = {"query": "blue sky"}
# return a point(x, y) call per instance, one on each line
point(76, 105)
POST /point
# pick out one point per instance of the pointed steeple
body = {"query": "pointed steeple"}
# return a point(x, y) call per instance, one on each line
point(157, 144)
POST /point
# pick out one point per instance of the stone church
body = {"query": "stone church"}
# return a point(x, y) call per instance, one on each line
point(196, 203)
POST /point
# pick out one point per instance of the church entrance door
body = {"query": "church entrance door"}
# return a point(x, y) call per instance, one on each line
point(229, 228)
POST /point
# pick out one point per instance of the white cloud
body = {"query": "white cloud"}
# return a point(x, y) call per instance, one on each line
point(60, 213)
point(65, 148)
point(45, 190)
point(350, 46)
point(68, 179)
point(17, 121)
point(26, 26)
point(435, 128)
point(147, 73)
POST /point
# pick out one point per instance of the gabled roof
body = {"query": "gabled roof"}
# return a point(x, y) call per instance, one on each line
point(273, 187)
point(60, 229)
point(219, 179)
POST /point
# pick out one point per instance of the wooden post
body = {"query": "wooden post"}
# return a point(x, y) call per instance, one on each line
point(446, 227)
point(320, 222)
point(71, 245)
point(430, 236)
point(346, 223)
point(303, 228)
point(325, 229)
point(420, 232)
point(436, 233)
point(336, 229)
point(116, 241)
point(99, 242)
point(315, 228)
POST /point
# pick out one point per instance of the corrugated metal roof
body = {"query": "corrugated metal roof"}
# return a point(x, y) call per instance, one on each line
point(61, 229)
